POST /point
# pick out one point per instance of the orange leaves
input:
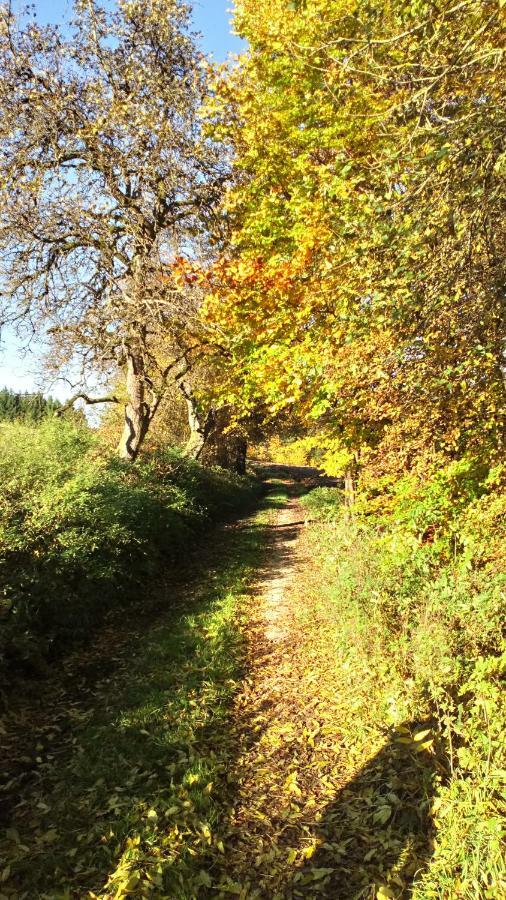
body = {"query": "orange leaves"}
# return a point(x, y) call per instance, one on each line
point(183, 272)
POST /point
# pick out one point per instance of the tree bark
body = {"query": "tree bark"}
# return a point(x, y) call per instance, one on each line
point(200, 426)
point(137, 410)
point(349, 489)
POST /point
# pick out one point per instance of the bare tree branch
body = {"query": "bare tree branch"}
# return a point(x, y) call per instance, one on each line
point(87, 399)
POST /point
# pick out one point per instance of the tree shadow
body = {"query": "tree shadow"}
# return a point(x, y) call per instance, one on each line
point(376, 838)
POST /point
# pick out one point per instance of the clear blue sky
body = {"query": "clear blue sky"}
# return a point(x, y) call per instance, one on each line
point(19, 371)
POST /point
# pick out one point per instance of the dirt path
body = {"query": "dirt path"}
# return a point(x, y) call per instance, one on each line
point(281, 570)
point(290, 764)
point(319, 811)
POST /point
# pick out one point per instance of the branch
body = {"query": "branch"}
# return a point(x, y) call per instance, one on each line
point(88, 400)
point(168, 369)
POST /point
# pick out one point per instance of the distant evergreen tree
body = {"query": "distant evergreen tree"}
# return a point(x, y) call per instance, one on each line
point(27, 407)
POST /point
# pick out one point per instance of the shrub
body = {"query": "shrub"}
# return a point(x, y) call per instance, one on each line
point(324, 503)
point(418, 584)
point(80, 531)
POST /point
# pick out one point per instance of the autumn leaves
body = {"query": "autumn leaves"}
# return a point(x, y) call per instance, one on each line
point(360, 285)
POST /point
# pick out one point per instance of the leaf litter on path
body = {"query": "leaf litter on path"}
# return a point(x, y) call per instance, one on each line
point(318, 811)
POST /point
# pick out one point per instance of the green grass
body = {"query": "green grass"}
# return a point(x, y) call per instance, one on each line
point(128, 793)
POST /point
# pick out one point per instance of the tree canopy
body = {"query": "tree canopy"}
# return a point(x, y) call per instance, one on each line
point(364, 276)
point(106, 186)
point(340, 211)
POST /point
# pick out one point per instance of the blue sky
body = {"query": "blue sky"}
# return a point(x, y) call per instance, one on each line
point(20, 371)
point(211, 19)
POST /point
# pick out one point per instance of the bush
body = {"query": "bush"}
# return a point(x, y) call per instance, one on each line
point(324, 503)
point(79, 530)
point(418, 582)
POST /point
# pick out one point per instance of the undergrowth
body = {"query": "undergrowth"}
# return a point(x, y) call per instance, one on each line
point(80, 531)
point(129, 794)
point(416, 579)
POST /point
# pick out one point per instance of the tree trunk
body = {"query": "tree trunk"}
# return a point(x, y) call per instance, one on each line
point(200, 427)
point(137, 411)
point(241, 450)
point(349, 490)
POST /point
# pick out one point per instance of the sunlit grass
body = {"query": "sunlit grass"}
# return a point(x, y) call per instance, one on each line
point(388, 676)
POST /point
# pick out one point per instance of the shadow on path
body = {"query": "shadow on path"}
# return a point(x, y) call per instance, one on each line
point(375, 838)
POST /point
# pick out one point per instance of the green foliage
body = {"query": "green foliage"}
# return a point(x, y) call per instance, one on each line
point(324, 503)
point(133, 794)
point(417, 579)
point(79, 530)
point(27, 407)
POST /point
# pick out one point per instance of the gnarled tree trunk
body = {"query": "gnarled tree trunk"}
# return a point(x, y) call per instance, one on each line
point(201, 426)
point(137, 410)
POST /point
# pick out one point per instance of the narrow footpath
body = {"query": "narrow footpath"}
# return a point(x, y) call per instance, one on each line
point(325, 805)
point(291, 763)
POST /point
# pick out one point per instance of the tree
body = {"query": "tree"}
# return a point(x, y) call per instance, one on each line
point(32, 408)
point(106, 186)
point(363, 280)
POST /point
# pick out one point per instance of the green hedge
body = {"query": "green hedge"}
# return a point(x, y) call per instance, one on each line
point(80, 531)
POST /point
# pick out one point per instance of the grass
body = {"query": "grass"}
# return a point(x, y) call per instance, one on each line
point(125, 790)
point(190, 758)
